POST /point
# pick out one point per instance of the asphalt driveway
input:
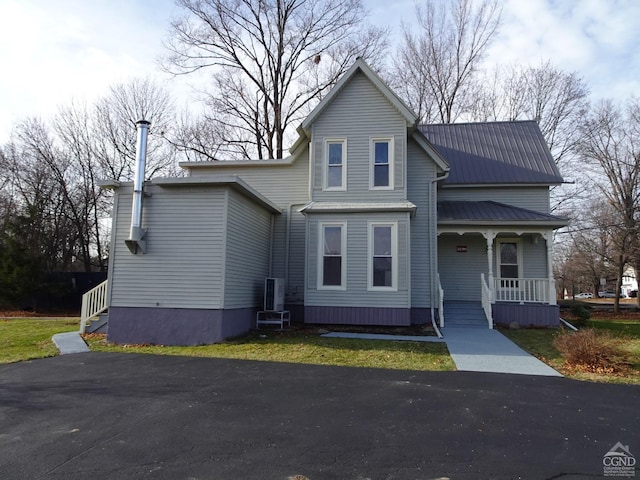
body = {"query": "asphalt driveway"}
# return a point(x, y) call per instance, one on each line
point(118, 416)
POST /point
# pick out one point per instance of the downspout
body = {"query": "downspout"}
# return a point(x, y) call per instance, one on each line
point(432, 252)
point(136, 239)
point(272, 222)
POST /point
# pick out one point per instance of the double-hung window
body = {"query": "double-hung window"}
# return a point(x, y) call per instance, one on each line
point(332, 255)
point(381, 173)
point(335, 171)
point(383, 256)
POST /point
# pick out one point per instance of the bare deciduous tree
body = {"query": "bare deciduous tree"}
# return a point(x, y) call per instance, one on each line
point(434, 68)
point(270, 59)
point(610, 144)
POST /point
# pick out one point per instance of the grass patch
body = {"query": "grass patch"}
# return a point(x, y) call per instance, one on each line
point(29, 338)
point(626, 333)
point(305, 345)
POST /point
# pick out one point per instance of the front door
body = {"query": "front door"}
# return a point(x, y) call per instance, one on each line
point(509, 268)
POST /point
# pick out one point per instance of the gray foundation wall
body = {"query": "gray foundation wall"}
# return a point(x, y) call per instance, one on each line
point(527, 315)
point(177, 326)
point(357, 316)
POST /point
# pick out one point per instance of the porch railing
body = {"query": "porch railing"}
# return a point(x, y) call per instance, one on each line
point(486, 300)
point(94, 302)
point(521, 290)
point(440, 303)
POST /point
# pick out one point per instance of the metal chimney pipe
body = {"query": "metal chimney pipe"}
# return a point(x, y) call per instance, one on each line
point(136, 234)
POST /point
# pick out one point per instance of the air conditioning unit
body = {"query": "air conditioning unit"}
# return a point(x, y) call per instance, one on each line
point(274, 294)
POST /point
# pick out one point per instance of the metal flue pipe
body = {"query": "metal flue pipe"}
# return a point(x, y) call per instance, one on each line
point(135, 241)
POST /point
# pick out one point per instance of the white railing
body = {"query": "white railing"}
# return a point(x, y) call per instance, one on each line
point(486, 300)
point(521, 290)
point(440, 303)
point(94, 302)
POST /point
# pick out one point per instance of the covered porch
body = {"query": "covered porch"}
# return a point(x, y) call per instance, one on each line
point(498, 257)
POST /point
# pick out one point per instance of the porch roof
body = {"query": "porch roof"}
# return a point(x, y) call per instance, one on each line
point(494, 213)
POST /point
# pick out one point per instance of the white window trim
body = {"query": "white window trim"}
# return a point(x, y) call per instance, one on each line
point(518, 242)
point(394, 257)
point(343, 249)
point(372, 159)
point(325, 165)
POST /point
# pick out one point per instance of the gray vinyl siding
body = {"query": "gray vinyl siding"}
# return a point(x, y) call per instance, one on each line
point(532, 198)
point(420, 171)
point(357, 261)
point(287, 186)
point(534, 257)
point(358, 114)
point(184, 260)
point(247, 252)
point(460, 271)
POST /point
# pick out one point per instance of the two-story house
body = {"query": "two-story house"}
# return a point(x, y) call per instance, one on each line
point(372, 220)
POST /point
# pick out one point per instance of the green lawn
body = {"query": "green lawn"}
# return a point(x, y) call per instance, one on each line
point(539, 342)
point(306, 346)
point(29, 338)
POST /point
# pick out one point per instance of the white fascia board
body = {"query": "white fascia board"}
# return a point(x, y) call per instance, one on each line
point(232, 181)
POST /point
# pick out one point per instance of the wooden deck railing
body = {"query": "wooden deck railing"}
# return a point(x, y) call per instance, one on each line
point(94, 302)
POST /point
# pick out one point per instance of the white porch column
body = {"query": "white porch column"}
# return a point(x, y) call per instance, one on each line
point(548, 237)
point(489, 236)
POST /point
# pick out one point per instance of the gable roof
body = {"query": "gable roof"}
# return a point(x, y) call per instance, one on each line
point(361, 66)
point(494, 153)
point(492, 213)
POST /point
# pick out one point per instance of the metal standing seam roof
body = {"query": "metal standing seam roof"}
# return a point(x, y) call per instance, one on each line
point(451, 212)
point(494, 153)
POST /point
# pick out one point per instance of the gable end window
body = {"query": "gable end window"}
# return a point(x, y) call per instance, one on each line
point(335, 165)
point(381, 173)
point(332, 256)
point(383, 256)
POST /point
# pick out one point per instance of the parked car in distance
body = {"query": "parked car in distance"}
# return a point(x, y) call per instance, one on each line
point(607, 294)
point(584, 295)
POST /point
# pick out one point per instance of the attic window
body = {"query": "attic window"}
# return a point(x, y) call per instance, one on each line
point(381, 174)
point(335, 171)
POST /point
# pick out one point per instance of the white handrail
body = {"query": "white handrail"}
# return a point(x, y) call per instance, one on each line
point(522, 290)
point(94, 302)
point(440, 303)
point(486, 300)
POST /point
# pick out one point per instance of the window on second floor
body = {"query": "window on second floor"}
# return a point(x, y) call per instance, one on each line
point(335, 168)
point(381, 173)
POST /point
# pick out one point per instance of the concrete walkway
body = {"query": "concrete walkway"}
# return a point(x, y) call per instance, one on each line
point(381, 336)
point(484, 350)
point(69, 342)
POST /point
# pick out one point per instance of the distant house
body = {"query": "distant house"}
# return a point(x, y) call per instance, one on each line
point(372, 220)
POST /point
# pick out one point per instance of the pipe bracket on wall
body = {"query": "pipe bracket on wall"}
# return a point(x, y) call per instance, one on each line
point(136, 241)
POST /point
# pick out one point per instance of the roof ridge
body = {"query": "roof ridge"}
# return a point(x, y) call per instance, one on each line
point(490, 122)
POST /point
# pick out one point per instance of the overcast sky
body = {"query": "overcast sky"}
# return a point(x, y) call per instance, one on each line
point(54, 51)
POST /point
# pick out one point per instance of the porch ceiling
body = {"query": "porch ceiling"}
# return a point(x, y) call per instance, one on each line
point(493, 213)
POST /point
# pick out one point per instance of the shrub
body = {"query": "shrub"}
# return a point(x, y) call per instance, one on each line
point(579, 313)
point(592, 350)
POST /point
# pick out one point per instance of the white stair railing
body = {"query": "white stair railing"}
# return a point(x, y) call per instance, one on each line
point(440, 303)
point(94, 302)
point(486, 300)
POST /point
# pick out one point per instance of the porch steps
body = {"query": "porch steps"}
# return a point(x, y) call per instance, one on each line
point(464, 315)
point(99, 325)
